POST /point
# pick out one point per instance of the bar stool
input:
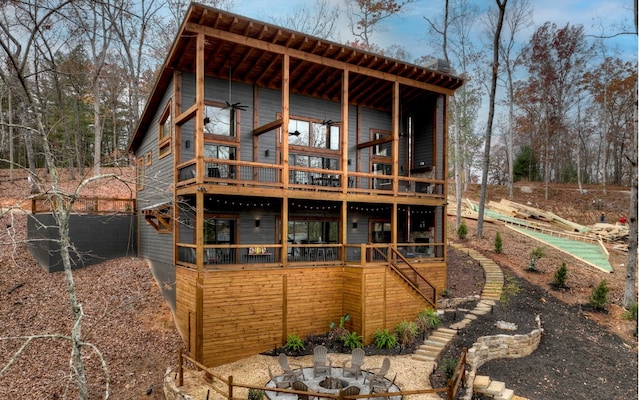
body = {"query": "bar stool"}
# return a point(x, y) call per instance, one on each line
point(321, 255)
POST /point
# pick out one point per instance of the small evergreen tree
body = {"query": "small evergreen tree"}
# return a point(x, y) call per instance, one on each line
point(560, 277)
point(598, 298)
point(462, 230)
point(497, 243)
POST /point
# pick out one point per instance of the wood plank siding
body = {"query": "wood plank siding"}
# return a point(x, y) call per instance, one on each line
point(292, 180)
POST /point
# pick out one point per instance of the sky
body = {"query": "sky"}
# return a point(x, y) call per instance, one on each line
point(598, 17)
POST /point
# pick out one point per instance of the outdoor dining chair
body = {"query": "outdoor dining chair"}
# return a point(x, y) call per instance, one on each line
point(355, 364)
point(351, 391)
point(320, 361)
point(291, 373)
point(377, 374)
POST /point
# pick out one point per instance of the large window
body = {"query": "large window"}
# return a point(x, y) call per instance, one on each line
point(219, 121)
point(383, 149)
point(313, 134)
point(220, 152)
point(313, 231)
point(219, 230)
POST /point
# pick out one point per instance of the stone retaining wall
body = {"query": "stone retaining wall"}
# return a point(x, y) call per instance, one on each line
point(489, 348)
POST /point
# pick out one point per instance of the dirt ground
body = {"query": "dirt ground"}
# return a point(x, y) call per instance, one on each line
point(592, 355)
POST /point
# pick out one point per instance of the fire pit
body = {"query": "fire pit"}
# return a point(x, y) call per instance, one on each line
point(333, 383)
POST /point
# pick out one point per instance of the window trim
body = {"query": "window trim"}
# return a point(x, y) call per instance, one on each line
point(140, 171)
point(164, 141)
point(236, 123)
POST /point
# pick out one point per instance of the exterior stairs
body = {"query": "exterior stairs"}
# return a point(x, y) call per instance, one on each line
point(496, 389)
point(438, 340)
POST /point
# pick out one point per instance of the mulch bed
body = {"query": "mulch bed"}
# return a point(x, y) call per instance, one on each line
point(576, 358)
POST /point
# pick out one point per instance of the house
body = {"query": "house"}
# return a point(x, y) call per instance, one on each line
point(285, 181)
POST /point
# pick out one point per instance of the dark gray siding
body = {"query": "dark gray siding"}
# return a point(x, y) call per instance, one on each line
point(158, 189)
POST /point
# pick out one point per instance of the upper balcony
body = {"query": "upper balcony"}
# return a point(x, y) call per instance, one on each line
point(239, 176)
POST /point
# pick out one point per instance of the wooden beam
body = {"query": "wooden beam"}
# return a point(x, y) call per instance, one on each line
point(275, 48)
point(268, 127)
point(374, 142)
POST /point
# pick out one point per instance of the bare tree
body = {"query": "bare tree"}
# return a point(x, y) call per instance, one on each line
point(365, 18)
point(492, 104)
point(20, 47)
point(319, 20)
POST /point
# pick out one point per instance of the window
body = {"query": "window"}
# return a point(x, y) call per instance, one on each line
point(313, 231)
point(140, 173)
point(219, 121)
point(383, 149)
point(313, 134)
point(380, 231)
point(165, 130)
point(219, 230)
point(148, 158)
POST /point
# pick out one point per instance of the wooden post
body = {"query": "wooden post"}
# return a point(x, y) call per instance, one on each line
point(180, 370)
point(230, 387)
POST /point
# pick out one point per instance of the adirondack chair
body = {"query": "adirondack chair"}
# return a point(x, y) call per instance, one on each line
point(291, 373)
point(301, 386)
point(320, 361)
point(351, 391)
point(382, 385)
point(377, 374)
point(355, 364)
point(282, 382)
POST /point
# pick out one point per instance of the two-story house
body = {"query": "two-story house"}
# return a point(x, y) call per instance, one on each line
point(285, 181)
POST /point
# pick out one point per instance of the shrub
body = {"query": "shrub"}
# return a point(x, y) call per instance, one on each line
point(632, 313)
point(427, 319)
point(509, 289)
point(294, 343)
point(497, 243)
point(535, 255)
point(255, 394)
point(448, 366)
point(407, 332)
point(351, 341)
point(385, 340)
point(462, 230)
point(598, 297)
point(560, 277)
point(445, 293)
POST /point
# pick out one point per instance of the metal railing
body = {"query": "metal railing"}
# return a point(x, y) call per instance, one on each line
point(86, 205)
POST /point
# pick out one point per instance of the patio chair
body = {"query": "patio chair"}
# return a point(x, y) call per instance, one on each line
point(382, 385)
point(351, 391)
point(301, 386)
point(320, 361)
point(377, 373)
point(291, 373)
point(282, 383)
point(357, 359)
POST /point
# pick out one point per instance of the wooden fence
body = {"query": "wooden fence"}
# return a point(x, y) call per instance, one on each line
point(215, 382)
point(87, 205)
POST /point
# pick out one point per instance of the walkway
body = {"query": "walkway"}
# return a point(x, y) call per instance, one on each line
point(438, 340)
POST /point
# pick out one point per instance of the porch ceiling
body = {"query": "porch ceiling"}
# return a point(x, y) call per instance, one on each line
point(250, 51)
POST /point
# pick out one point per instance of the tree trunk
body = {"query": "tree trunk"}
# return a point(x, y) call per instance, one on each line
point(492, 105)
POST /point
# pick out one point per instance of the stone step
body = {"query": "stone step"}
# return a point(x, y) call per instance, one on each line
point(430, 342)
point(429, 349)
point(506, 394)
point(495, 388)
point(422, 358)
point(429, 355)
point(447, 330)
point(433, 347)
point(442, 339)
point(481, 382)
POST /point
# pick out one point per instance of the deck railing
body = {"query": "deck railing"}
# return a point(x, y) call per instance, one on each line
point(264, 175)
point(87, 205)
point(308, 254)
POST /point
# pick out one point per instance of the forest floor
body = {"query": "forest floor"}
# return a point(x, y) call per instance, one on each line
point(583, 352)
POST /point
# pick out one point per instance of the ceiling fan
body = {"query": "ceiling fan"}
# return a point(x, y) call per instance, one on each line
point(235, 106)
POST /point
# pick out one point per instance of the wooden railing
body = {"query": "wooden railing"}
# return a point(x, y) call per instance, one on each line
point(255, 174)
point(216, 383)
point(260, 255)
point(87, 205)
point(411, 276)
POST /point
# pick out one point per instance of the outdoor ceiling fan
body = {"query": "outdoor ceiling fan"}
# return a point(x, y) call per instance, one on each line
point(235, 106)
